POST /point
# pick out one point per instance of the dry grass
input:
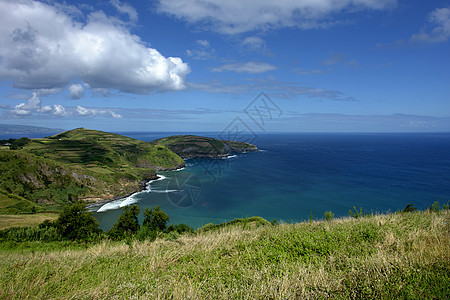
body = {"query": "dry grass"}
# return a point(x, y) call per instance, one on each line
point(381, 257)
point(8, 221)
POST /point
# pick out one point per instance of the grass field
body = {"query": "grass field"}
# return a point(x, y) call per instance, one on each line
point(7, 221)
point(394, 256)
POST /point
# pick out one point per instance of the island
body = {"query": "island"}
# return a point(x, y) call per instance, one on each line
point(44, 174)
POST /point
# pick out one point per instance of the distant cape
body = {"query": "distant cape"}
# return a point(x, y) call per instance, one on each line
point(6, 129)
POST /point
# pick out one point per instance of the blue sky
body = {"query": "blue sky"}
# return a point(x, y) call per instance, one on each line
point(209, 65)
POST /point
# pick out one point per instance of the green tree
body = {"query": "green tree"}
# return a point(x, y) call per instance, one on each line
point(75, 222)
point(18, 144)
point(128, 223)
point(155, 219)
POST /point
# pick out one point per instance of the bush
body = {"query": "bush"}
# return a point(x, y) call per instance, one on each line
point(75, 222)
point(155, 219)
point(180, 228)
point(409, 208)
point(146, 234)
point(127, 224)
point(18, 144)
point(30, 234)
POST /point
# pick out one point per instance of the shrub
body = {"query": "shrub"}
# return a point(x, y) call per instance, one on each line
point(155, 219)
point(127, 224)
point(409, 208)
point(180, 228)
point(75, 222)
point(146, 234)
point(30, 234)
point(18, 144)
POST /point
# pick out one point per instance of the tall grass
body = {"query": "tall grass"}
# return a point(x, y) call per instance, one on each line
point(393, 256)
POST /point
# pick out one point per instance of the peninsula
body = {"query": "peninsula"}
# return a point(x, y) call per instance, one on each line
point(192, 146)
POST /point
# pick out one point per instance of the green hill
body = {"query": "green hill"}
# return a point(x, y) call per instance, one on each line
point(192, 146)
point(77, 164)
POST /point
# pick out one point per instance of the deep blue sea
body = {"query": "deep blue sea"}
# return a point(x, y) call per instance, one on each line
point(298, 174)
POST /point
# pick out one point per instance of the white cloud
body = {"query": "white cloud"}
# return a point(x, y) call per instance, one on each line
point(247, 67)
point(115, 115)
point(125, 9)
point(34, 104)
point(439, 31)
point(42, 47)
point(83, 111)
point(238, 16)
point(26, 108)
point(76, 91)
point(59, 110)
point(89, 112)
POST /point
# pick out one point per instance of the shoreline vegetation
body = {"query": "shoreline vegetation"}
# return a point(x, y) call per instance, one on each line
point(364, 256)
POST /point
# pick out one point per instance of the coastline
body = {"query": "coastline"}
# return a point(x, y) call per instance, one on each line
point(144, 185)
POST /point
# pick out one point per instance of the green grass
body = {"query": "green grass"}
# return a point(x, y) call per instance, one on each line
point(394, 256)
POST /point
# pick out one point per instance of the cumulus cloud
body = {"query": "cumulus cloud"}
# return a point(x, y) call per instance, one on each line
point(246, 67)
point(42, 47)
point(59, 110)
point(76, 91)
point(438, 29)
point(89, 112)
point(34, 104)
point(237, 16)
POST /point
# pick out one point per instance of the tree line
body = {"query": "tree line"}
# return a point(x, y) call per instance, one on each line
point(77, 223)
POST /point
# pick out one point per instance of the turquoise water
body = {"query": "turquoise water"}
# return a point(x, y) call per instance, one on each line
point(301, 174)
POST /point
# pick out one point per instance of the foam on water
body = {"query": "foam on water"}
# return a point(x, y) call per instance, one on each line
point(164, 191)
point(116, 204)
point(110, 205)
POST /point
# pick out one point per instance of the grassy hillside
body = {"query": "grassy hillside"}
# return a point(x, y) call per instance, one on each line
point(77, 164)
point(395, 256)
point(189, 146)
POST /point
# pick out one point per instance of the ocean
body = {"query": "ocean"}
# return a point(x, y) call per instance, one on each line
point(299, 175)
